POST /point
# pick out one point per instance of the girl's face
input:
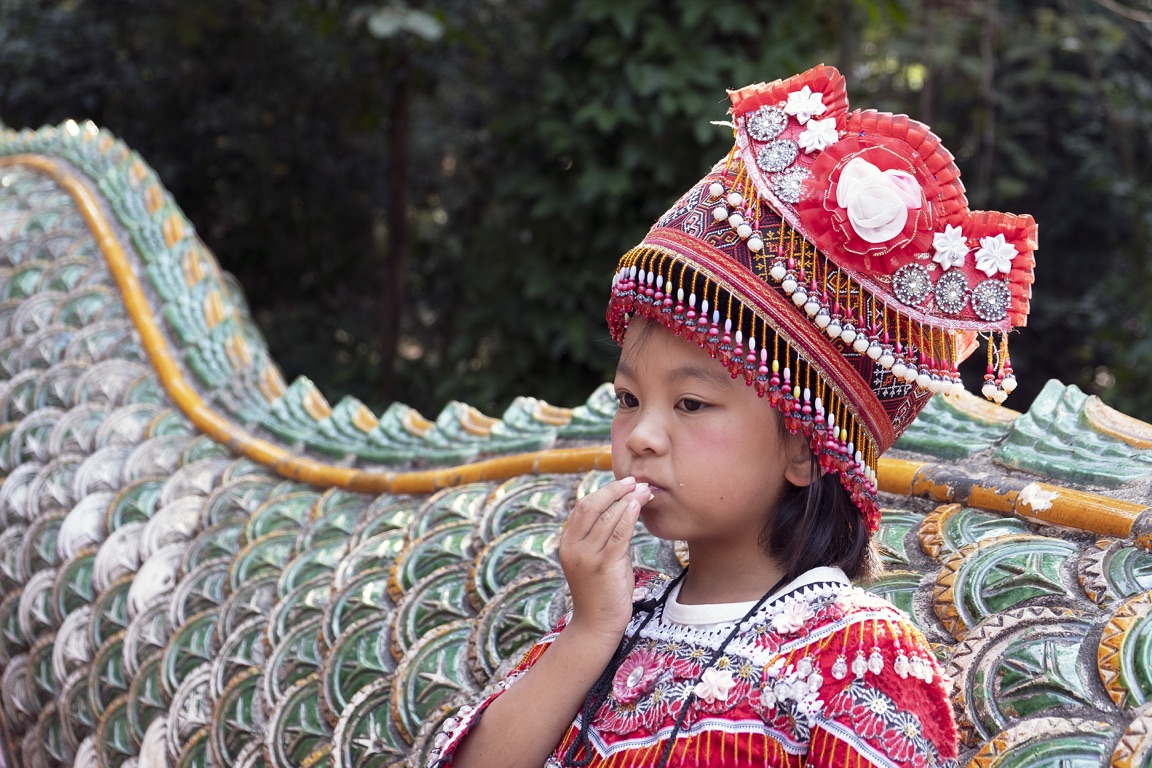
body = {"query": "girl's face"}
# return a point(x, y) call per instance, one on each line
point(711, 450)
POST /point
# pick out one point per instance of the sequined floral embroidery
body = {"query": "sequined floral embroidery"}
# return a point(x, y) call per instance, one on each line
point(637, 676)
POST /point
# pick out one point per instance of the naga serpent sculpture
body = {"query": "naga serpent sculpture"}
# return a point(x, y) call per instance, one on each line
point(203, 566)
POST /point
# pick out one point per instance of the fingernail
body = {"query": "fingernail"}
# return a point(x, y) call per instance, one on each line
point(641, 489)
point(628, 480)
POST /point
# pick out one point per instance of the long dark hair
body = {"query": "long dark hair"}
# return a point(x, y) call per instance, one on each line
point(818, 525)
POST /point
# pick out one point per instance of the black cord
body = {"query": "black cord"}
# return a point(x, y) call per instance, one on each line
point(671, 743)
point(598, 693)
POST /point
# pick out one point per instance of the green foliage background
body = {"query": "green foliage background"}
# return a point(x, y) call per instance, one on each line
point(546, 136)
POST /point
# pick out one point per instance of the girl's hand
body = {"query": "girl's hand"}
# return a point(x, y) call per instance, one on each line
point(595, 552)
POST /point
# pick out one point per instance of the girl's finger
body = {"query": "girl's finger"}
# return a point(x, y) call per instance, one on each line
point(590, 508)
point(603, 528)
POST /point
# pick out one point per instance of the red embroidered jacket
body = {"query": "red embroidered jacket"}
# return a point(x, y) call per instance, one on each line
point(826, 675)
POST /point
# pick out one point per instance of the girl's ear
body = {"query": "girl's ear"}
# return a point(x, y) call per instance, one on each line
point(798, 461)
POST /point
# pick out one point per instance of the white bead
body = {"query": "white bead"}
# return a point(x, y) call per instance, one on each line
point(875, 350)
point(988, 390)
point(848, 334)
point(735, 220)
point(911, 374)
point(1000, 396)
point(812, 306)
point(1009, 383)
point(789, 285)
point(800, 296)
point(744, 231)
point(734, 199)
point(834, 330)
point(861, 344)
point(716, 189)
point(719, 213)
point(823, 319)
point(898, 369)
point(923, 380)
point(756, 245)
point(957, 387)
point(886, 360)
point(777, 272)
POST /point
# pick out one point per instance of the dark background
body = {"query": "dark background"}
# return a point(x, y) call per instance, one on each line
point(424, 201)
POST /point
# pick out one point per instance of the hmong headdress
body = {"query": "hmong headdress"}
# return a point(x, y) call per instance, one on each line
point(831, 260)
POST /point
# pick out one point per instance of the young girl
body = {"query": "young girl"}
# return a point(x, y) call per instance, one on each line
point(781, 325)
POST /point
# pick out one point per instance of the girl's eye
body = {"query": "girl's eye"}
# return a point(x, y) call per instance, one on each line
point(627, 400)
point(690, 405)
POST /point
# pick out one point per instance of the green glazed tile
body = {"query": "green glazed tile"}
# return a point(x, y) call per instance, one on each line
point(448, 544)
point(109, 612)
point(320, 560)
point(115, 741)
point(287, 512)
point(241, 650)
point(435, 600)
point(951, 527)
point(189, 715)
point(359, 657)
point(362, 595)
point(296, 727)
point(515, 618)
point(146, 697)
point(106, 678)
point(294, 657)
point(451, 505)
point(12, 640)
point(1056, 439)
point(366, 733)
point(204, 447)
point(1114, 569)
point(222, 541)
point(237, 718)
point(395, 514)
point(191, 647)
point(432, 673)
point(202, 588)
point(526, 500)
point(75, 711)
point(898, 588)
point(997, 574)
point(237, 499)
point(265, 556)
point(373, 552)
point(895, 524)
point(253, 599)
point(528, 550)
point(148, 632)
point(301, 604)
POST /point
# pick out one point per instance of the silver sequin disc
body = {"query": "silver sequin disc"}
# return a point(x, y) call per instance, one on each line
point(767, 123)
point(777, 155)
point(789, 184)
point(912, 283)
point(952, 291)
point(990, 299)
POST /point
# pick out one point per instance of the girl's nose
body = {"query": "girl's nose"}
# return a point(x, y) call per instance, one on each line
point(648, 434)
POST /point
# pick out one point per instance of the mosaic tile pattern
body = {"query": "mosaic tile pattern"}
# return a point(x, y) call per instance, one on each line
point(166, 602)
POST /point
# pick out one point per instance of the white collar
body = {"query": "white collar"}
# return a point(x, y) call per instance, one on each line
point(711, 615)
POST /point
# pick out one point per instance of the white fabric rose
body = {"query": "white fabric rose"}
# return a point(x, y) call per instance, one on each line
point(804, 104)
point(951, 247)
point(995, 255)
point(819, 135)
point(877, 201)
point(794, 615)
point(714, 685)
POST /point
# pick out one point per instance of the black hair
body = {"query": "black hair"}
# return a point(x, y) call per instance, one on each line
point(818, 525)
